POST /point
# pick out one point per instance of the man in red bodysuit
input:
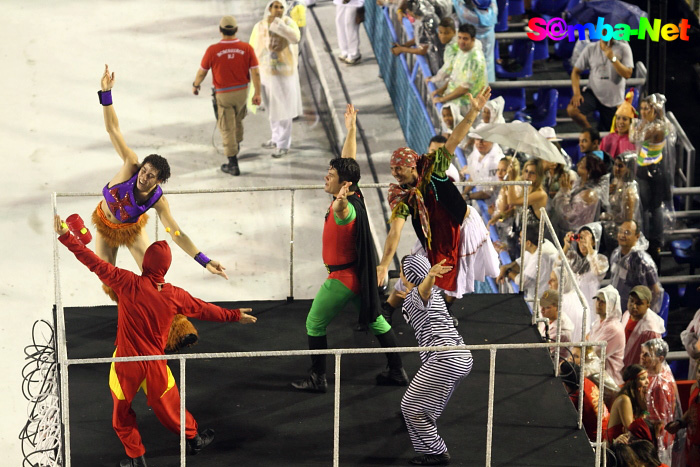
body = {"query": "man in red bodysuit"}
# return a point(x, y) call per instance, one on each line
point(147, 305)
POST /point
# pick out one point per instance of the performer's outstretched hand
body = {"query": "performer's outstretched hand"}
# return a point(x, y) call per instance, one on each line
point(381, 275)
point(107, 80)
point(350, 116)
point(245, 317)
point(343, 193)
point(439, 269)
point(215, 267)
point(59, 225)
point(481, 99)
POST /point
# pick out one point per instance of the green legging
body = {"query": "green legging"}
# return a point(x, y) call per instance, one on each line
point(330, 299)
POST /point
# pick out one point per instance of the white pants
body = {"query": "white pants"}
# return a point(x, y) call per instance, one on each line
point(281, 133)
point(348, 30)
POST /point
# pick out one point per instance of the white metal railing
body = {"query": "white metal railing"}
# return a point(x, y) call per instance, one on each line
point(65, 362)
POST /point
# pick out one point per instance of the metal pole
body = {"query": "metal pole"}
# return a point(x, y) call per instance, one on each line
point(183, 390)
point(522, 238)
point(489, 420)
point(336, 414)
point(61, 345)
point(291, 248)
point(601, 394)
point(557, 352)
point(540, 238)
point(581, 382)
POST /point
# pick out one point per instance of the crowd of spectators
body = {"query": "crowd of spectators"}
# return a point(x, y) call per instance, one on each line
point(607, 208)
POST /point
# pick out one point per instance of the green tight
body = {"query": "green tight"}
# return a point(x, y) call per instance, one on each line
point(330, 299)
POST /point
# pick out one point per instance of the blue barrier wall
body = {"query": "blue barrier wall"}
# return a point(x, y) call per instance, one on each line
point(397, 78)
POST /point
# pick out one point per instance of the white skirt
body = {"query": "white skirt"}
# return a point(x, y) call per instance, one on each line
point(478, 259)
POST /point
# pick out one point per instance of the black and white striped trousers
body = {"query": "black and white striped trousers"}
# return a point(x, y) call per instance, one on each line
point(426, 398)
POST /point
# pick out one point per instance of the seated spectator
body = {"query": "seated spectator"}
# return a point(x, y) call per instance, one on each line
point(551, 135)
point(570, 303)
point(631, 401)
point(483, 15)
point(450, 119)
point(503, 214)
point(589, 144)
point(624, 199)
point(447, 37)
point(589, 266)
point(609, 329)
point(533, 171)
point(482, 164)
point(689, 338)
point(630, 265)
point(569, 373)
point(610, 64)
point(618, 141)
point(493, 111)
point(661, 395)
point(514, 269)
point(654, 135)
point(635, 453)
point(466, 72)
point(640, 324)
point(580, 203)
point(425, 36)
point(549, 307)
point(691, 421)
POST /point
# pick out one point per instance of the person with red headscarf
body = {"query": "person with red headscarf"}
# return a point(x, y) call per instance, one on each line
point(436, 207)
point(147, 306)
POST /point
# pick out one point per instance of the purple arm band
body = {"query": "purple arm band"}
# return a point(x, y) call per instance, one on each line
point(202, 259)
point(105, 97)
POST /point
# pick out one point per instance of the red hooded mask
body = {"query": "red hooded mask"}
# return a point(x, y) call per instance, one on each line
point(156, 261)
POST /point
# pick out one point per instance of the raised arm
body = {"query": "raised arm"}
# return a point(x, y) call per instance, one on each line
point(340, 205)
point(350, 146)
point(112, 123)
point(182, 240)
point(461, 130)
point(425, 287)
point(390, 246)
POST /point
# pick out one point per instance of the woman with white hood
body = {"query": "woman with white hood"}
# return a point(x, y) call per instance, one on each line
point(275, 40)
point(570, 303)
point(590, 267)
point(608, 328)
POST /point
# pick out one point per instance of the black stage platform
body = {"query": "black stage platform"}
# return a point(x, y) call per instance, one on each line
point(260, 421)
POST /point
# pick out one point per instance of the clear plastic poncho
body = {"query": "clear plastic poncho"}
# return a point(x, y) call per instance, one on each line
point(624, 199)
point(589, 269)
point(580, 205)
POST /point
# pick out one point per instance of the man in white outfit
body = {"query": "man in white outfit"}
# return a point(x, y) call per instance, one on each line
point(275, 40)
point(348, 29)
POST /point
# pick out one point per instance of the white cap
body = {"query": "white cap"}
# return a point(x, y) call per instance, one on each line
point(549, 133)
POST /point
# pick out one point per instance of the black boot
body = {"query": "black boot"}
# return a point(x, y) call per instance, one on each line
point(395, 375)
point(387, 311)
point(232, 166)
point(200, 441)
point(316, 381)
point(455, 321)
point(432, 459)
point(134, 462)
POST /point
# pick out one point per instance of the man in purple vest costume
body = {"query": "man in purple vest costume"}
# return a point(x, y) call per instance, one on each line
point(120, 217)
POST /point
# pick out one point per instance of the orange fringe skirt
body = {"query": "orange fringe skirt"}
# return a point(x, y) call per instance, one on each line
point(116, 235)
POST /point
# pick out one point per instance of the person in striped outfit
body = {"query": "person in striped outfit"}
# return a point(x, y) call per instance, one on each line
point(440, 373)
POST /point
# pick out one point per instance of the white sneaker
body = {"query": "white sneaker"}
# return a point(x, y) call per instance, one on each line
point(269, 144)
point(279, 153)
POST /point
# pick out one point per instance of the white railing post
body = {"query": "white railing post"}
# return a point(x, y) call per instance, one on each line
point(601, 396)
point(536, 301)
point(523, 230)
point(183, 410)
point(336, 413)
point(291, 246)
point(489, 420)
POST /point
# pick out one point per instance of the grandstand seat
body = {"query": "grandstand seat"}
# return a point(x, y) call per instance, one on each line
point(514, 97)
point(541, 50)
point(521, 51)
point(549, 7)
point(565, 95)
point(516, 7)
point(502, 24)
point(665, 305)
point(682, 251)
point(545, 111)
point(563, 49)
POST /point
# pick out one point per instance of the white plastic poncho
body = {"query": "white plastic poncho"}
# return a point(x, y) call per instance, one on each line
point(611, 331)
point(590, 269)
point(275, 45)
